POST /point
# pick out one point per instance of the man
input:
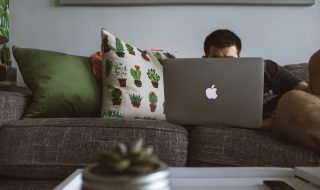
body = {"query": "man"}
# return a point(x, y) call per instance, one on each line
point(295, 113)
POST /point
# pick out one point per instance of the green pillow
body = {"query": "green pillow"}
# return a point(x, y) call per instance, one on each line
point(62, 85)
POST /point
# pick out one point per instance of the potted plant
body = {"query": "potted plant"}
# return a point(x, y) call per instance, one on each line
point(135, 100)
point(119, 47)
point(130, 49)
point(127, 168)
point(154, 77)
point(144, 55)
point(159, 57)
point(136, 74)
point(113, 114)
point(153, 99)
point(108, 67)
point(116, 96)
point(121, 72)
point(169, 55)
point(8, 74)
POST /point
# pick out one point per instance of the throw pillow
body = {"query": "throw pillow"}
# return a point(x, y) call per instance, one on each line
point(62, 85)
point(132, 80)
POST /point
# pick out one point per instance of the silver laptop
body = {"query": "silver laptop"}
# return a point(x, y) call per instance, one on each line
point(227, 91)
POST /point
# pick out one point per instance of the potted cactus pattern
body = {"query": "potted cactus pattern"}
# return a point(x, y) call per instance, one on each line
point(108, 67)
point(116, 96)
point(144, 55)
point(130, 49)
point(136, 74)
point(119, 46)
point(159, 57)
point(154, 77)
point(135, 100)
point(127, 168)
point(121, 72)
point(169, 55)
point(113, 114)
point(153, 99)
point(106, 47)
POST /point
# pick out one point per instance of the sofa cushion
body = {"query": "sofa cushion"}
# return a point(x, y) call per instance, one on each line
point(13, 104)
point(62, 85)
point(54, 148)
point(300, 70)
point(132, 80)
point(218, 145)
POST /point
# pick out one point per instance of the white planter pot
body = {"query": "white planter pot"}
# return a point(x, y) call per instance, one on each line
point(159, 180)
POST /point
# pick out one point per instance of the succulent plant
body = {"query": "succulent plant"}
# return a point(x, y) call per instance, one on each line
point(153, 99)
point(108, 67)
point(136, 73)
point(153, 76)
point(119, 45)
point(129, 160)
point(116, 93)
point(169, 55)
point(135, 98)
point(113, 114)
point(5, 55)
point(130, 49)
point(120, 70)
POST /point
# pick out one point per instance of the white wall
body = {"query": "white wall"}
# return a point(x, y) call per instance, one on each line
point(284, 34)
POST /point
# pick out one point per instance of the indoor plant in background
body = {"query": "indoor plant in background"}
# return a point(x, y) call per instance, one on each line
point(8, 74)
point(127, 168)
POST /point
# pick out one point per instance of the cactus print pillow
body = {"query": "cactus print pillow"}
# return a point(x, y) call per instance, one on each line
point(132, 80)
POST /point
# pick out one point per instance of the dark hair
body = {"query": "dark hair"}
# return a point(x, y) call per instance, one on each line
point(222, 38)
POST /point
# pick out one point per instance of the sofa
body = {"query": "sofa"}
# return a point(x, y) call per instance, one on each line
point(39, 153)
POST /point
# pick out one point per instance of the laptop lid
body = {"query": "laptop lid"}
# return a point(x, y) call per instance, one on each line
point(206, 91)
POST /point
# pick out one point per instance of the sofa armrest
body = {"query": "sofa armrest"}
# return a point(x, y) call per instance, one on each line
point(13, 102)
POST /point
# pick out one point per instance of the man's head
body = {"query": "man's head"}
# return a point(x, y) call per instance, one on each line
point(222, 43)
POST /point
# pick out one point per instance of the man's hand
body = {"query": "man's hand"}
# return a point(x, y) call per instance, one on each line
point(302, 86)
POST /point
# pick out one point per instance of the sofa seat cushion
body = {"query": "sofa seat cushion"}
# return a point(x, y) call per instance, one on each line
point(54, 148)
point(221, 146)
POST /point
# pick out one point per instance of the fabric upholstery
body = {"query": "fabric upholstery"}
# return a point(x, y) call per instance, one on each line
point(218, 145)
point(54, 148)
point(62, 85)
point(24, 184)
point(132, 80)
point(300, 70)
point(12, 105)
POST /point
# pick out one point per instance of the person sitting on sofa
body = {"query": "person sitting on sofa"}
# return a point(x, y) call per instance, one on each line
point(295, 113)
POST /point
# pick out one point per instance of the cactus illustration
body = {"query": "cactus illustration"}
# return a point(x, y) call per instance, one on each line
point(144, 55)
point(134, 160)
point(154, 77)
point(106, 47)
point(108, 67)
point(169, 55)
point(5, 55)
point(153, 99)
point(135, 100)
point(113, 115)
point(130, 49)
point(119, 46)
point(116, 96)
point(159, 57)
point(136, 74)
point(121, 73)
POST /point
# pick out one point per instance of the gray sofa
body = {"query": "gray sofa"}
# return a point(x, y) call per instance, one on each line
point(40, 153)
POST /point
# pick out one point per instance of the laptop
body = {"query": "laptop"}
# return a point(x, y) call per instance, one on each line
point(206, 91)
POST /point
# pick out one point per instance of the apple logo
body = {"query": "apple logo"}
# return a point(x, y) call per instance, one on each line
point(211, 93)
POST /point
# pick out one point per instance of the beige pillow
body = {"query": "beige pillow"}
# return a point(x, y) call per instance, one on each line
point(132, 80)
